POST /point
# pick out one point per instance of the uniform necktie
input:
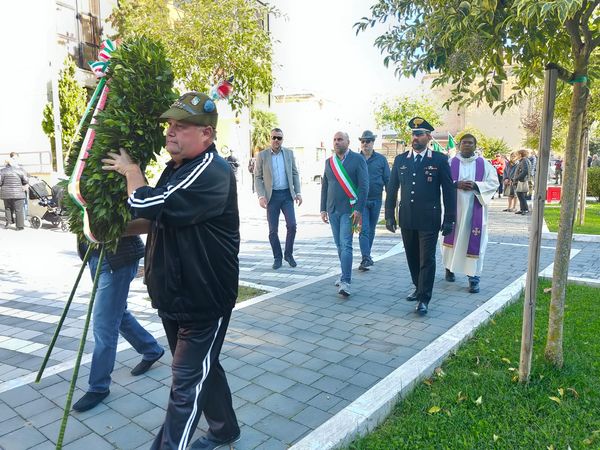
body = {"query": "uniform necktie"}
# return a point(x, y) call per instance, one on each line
point(418, 159)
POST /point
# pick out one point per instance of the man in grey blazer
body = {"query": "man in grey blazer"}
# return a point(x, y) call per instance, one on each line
point(277, 184)
point(344, 190)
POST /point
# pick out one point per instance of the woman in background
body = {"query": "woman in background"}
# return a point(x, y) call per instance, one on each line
point(509, 190)
point(522, 175)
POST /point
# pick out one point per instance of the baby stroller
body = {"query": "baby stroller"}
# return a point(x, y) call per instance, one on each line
point(46, 205)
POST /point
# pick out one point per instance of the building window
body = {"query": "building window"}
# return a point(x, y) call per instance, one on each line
point(89, 43)
point(78, 29)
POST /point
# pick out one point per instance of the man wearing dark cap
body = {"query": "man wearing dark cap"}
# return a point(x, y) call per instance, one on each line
point(379, 175)
point(420, 174)
point(191, 267)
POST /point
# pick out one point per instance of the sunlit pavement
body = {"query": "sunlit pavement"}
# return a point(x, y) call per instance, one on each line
point(294, 359)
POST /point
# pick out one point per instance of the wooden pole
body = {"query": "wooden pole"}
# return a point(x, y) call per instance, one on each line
point(535, 232)
point(585, 148)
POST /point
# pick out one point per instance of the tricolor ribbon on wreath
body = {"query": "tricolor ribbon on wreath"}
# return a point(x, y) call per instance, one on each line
point(146, 59)
point(99, 97)
point(99, 68)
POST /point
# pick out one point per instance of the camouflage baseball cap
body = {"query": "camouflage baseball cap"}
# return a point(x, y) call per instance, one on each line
point(193, 107)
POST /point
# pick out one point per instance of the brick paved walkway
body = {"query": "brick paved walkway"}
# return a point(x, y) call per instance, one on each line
point(294, 359)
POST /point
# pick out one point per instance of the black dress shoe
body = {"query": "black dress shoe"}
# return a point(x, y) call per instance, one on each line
point(210, 442)
point(473, 286)
point(89, 401)
point(276, 264)
point(450, 276)
point(412, 297)
point(421, 308)
point(145, 364)
point(290, 260)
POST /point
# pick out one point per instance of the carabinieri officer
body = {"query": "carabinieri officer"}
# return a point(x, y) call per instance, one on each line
point(420, 174)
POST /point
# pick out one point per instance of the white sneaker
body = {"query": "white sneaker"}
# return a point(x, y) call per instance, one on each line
point(344, 289)
point(338, 282)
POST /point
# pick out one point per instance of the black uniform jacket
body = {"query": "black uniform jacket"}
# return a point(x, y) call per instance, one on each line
point(191, 262)
point(420, 206)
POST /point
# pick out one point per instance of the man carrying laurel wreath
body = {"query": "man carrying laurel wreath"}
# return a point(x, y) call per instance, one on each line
point(191, 267)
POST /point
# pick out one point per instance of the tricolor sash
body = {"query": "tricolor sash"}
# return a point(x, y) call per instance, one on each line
point(339, 171)
point(477, 217)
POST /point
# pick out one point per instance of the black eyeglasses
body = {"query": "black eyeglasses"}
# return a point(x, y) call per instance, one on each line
point(366, 141)
point(277, 138)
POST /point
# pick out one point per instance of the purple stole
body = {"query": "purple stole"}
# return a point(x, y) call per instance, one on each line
point(477, 218)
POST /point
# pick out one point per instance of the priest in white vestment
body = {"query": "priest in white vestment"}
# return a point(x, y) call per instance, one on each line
point(476, 182)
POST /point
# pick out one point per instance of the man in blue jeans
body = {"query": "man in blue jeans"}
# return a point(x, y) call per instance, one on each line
point(111, 317)
point(379, 175)
point(277, 184)
point(344, 190)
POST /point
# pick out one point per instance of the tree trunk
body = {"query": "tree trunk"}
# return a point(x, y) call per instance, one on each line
point(53, 153)
point(554, 350)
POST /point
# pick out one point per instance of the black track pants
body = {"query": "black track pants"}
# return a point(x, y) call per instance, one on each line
point(199, 384)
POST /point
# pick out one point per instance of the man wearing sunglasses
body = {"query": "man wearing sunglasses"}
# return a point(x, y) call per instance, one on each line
point(379, 175)
point(420, 174)
point(277, 184)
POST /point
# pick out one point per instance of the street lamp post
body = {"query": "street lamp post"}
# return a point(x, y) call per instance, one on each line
point(54, 70)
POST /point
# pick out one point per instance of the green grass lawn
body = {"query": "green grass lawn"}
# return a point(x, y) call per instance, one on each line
point(246, 293)
point(592, 219)
point(474, 400)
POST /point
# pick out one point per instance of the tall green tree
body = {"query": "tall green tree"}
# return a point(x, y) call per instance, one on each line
point(474, 46)
point(206, 41)
point(72, 98)
point(396, 113)
point(262, 123)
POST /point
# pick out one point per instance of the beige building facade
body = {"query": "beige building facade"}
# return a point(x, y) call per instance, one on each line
point(505, 126)
point(39, 36)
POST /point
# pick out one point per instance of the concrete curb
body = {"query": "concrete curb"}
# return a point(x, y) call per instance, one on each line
point(375, 405)
point(262, 287)
point(589, 282)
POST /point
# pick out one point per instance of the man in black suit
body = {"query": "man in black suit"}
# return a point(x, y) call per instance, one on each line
point(420, 174)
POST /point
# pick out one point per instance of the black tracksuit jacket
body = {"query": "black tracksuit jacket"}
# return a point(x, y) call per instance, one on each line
point(191, 261)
